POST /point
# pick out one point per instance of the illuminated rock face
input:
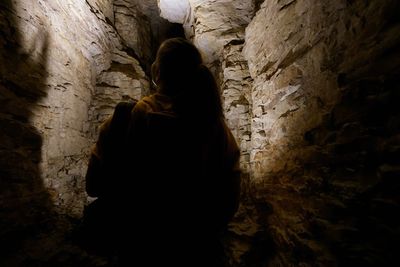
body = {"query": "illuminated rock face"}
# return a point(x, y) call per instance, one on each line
point(323, 108)
point(127, 18)
point(217, 23)
point(312, 101)
point(174, 10)
point(63, 68)
point(217, 28)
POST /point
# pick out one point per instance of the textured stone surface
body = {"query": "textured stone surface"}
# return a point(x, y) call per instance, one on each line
point(236, 93)
point(133, 25)
point(325, 83)
point(217, 29)
point(123, 80)
point(72, 62)
point(105, 7)
point(56, 57)
point(212, 24)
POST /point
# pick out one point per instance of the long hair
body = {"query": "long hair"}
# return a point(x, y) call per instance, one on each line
point(180, 73)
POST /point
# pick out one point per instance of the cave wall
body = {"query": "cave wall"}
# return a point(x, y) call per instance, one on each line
point(128, 14)
point(217, 28)
point(310, 91)
point(325, 129)
point(63, 68)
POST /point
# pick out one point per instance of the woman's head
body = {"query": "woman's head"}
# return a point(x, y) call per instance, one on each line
point(179, 72)
point(177, 60)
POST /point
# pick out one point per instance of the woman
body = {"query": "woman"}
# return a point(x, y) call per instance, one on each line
point(181, 177)
point(188, 159)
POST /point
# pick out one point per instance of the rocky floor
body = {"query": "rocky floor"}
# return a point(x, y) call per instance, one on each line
point(54, 244)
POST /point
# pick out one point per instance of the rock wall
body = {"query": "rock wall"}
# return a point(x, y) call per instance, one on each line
point(63, 67)
point(311, 99)
point(127, 16)
point(212, 24)
point(217, 28)
point(325, 130)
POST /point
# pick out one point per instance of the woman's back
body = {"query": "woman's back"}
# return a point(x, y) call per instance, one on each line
point(178, 185)
point(186, 178)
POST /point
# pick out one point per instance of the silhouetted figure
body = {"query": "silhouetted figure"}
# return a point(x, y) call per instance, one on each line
point(178, 184)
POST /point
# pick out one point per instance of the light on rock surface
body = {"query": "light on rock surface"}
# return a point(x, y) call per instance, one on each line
point(174, 10)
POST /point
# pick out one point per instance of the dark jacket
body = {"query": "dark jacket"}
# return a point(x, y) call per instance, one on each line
point(183, 162)
point(179, 179)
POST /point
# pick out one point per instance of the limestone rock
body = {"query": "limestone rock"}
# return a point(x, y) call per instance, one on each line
point(212, 24)
point(122, 81)
point(52, 56)
point(217, 29)
point(104, 6)
point(134, 26)
point(307, 61)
